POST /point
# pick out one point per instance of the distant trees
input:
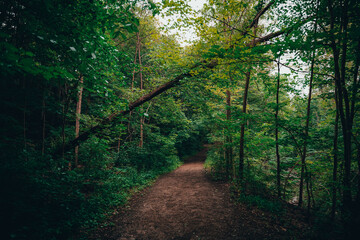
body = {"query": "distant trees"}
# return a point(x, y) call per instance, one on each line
point(322, 38)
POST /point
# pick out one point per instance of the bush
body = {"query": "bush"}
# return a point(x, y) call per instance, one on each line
point(44, 200)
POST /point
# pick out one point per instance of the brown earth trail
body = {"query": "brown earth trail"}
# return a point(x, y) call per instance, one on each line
point(185, 204)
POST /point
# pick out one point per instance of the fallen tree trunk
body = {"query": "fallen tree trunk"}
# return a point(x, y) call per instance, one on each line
point(113, 117)
point(204, 64)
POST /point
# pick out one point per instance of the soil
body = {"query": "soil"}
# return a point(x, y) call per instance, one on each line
point(186, 204)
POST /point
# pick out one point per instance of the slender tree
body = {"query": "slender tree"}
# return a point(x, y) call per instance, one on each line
point(244, 107)
point(345, 48)
point(77, 116)
point(335, 160)
point(278, 167)
point(308, 116)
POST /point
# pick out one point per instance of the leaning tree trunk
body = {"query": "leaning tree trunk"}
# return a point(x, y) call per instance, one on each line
point(103, 124)
point(147, 97)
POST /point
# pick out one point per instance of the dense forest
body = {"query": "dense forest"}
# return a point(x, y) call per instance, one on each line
point(100, 97)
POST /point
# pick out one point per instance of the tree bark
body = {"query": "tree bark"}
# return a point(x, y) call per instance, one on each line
point(306, 132)
point(77, 117)
point(244, 105)
point(119, 143)
point(260, 13)
point(278, 167)
point(242, 130)
point(134, 71)
point(342, 96)
point(358, 183)
point(228, 151)
point(139, 52)
point(307, 178)
point(335, 164)
point(141, 143)
point(24, 115)
point(43, 128)
point(63, 125)
point(347, 135)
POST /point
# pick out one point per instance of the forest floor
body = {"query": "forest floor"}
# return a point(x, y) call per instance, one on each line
point(187, 204)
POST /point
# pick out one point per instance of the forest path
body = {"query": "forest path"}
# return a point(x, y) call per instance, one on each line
point(186, 204)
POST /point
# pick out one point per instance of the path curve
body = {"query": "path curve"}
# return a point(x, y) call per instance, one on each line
point(185, 204)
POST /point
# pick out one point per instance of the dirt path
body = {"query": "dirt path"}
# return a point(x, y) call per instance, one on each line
point(185, 204)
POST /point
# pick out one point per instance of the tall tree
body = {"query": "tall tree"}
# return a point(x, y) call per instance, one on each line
point(277, 151)
point(77, 117)
point(340, 29)
point(308, 116)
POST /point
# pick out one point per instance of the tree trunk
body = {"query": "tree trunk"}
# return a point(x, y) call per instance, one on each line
point(228, 151)
point(119, 143)
point(134, 71)
point(358, 183)
point(228, 139)
point(77, 117)
point(244, 105)
point(139, 52)
point(43, 118)
point(343, 97)
point(24, 115)
point(242, 130)
point(335, 157)
point(278, 167)
point(347, 135)
point(132, 90)
point(306, 132)
point(141, 143)
point(63, 128)
point(307, 179)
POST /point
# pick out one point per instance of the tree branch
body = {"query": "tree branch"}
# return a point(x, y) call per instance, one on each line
point(147, 97)
point(300, 71)
point(278, 33)
point(260, 13)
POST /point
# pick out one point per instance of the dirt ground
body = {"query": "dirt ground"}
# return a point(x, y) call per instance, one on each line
point(186, 204)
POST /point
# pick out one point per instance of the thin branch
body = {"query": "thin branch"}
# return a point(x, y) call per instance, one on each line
point(293, 137)
point(301, 71)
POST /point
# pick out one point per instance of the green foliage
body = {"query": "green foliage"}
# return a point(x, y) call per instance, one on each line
point(49, 47)
point(146, 159)
point(215, 164)
point(272, 206)
point(54, 203)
